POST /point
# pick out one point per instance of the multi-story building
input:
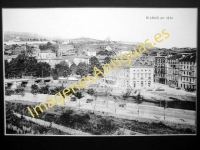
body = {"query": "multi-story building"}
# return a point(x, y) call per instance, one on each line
point(137, 75)
point(141, 74)
point(159, 72)
point(172, 70)
point(147, 58)
point(187, 72)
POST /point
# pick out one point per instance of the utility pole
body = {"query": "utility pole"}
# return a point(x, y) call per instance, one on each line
point(164, 109)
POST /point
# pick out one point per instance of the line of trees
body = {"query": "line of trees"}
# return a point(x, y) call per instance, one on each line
point(26, 64)
point(48, 46)
point(82, 69)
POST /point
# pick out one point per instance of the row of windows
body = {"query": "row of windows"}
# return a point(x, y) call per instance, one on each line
point(188, 86)
point(187, 79)
point(141, 70)
point(141, 74)
point(142, 84)
point(189, 63)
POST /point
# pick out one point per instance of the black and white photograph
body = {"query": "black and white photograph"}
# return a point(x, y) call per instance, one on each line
point(100, 71)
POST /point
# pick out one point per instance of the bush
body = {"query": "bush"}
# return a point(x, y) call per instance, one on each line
point(9, 92)
point(34, 89)
point(73, 98)
point(90, 91)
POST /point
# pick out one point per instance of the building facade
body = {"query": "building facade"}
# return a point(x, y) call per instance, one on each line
point(187, 72)
point(172, 68)
point(138, 75)
point(159, 72)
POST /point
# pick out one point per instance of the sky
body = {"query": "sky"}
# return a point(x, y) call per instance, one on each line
point(120, 24)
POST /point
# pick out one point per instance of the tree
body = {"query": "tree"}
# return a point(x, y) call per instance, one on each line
point(49, 44)
point(19, 90)
point(23, 63)
point(106, 52)
point(78, 95)
point(82, 69)
point(63, 69)
point(73, 68)
point(90, 91)
point(54, 74)
point(43, 69)
point(9, 92)
point(107, 60)
point(7, 68)
point(94, 62)
point(34, 89)
point(44, 90)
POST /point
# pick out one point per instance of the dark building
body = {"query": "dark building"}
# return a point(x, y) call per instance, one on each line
point(159, 71)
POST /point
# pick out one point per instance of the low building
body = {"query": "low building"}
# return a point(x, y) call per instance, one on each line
point(67, 81)
point(51, 61)
point(65, 50)
point(75, 59)
point(45, 54)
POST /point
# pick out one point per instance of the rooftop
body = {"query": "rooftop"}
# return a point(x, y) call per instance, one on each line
point(138, 64)
point(46, 51)
point(64, 47)
point(191, 57)
point(177, 56)
point(69, 78)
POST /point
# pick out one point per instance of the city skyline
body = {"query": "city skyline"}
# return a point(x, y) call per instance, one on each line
point(120, 24)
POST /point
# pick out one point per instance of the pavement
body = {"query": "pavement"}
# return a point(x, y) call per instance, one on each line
point(132, 111)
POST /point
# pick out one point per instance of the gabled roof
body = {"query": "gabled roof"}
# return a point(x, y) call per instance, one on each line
point(138, 64)
point(47, 51)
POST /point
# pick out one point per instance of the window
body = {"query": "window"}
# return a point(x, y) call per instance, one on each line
point(149, 83)
point(134, 84)
point(141, 83)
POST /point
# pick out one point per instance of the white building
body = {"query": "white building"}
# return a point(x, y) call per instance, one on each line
point(138, 75)
point(76, 60)
point(141, 75)
point(47, 56)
